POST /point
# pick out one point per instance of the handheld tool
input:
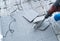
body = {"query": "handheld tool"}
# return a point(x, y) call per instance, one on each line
point(41, 23)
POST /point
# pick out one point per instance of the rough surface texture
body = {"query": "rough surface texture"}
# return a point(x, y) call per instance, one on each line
point(16, 28)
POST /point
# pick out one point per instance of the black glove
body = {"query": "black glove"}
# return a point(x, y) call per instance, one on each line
point(48, 15)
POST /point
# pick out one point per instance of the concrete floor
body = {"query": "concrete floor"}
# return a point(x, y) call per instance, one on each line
point(23, 30)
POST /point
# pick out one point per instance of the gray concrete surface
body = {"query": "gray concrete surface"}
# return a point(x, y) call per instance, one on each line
point(23, 30)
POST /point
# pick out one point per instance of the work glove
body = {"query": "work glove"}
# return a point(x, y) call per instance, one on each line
point(57, 17)
point(48, 15)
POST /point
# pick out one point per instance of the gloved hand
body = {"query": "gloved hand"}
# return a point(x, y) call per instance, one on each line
point(57, 17)
point(48, 15)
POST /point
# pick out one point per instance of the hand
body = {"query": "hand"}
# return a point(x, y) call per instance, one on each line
point(48, 15)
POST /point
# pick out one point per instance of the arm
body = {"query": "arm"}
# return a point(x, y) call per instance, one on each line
point(52, 9)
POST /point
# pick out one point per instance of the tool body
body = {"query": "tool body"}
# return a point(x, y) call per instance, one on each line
point(38, 25)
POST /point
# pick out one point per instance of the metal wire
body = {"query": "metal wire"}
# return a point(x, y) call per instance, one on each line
point(10, 30)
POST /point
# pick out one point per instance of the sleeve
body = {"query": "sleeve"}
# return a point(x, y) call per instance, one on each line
point(54, 7)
